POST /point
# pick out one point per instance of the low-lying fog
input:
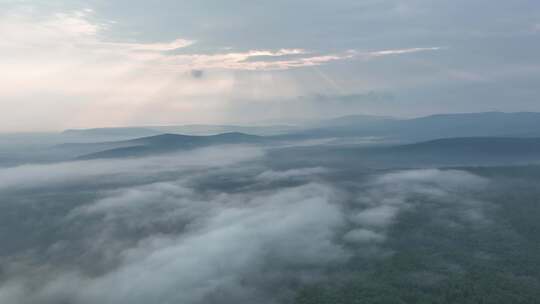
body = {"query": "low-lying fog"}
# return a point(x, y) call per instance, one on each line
point(214, 225)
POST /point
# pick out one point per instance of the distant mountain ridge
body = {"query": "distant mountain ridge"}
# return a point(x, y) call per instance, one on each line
point(463, 150)
point(488, 132)
point(166, 143)
point(121, 131)
point(495, 124)
point(476, 151)
point(499, 124)
point(125, 133)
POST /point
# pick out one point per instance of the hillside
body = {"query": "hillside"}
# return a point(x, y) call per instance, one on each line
point(169, 143)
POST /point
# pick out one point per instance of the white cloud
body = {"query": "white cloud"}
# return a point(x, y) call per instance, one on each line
point(291, 174)
point(363, 236)
point(232, 247)
point(377, 217)
point(401, 51)
point(389, 195)
point(452, 180)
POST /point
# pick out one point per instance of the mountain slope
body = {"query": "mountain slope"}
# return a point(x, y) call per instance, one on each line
point(169, 143)
point(107, 134)
point(434, 153)
point(495, 124)
point(468, 150)
point(521, 124)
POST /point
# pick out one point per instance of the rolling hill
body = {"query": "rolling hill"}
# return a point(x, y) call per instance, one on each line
point(166, 143)
point(434, 153)
point(494, 124)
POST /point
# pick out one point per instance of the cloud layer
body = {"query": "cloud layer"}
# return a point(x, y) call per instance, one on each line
point(208, 226)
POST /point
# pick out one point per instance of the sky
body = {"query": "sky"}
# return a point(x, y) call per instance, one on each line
point(97, 63)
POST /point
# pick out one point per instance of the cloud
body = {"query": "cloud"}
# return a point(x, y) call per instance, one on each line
point(254, 60)
point(158, 232)
point(266, 60)
point(36, 176)
point(429, 179)
point(401, 51)
point(377, 217)
point(234, 246)
point(449, 194)
point(175, 239)
point(363, 236)
point(197, 73)
point(290, 174)
point(75, 32)
point(157, 47)
point(86, 78)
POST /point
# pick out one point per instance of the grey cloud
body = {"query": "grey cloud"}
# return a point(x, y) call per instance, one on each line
point(197, 73)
